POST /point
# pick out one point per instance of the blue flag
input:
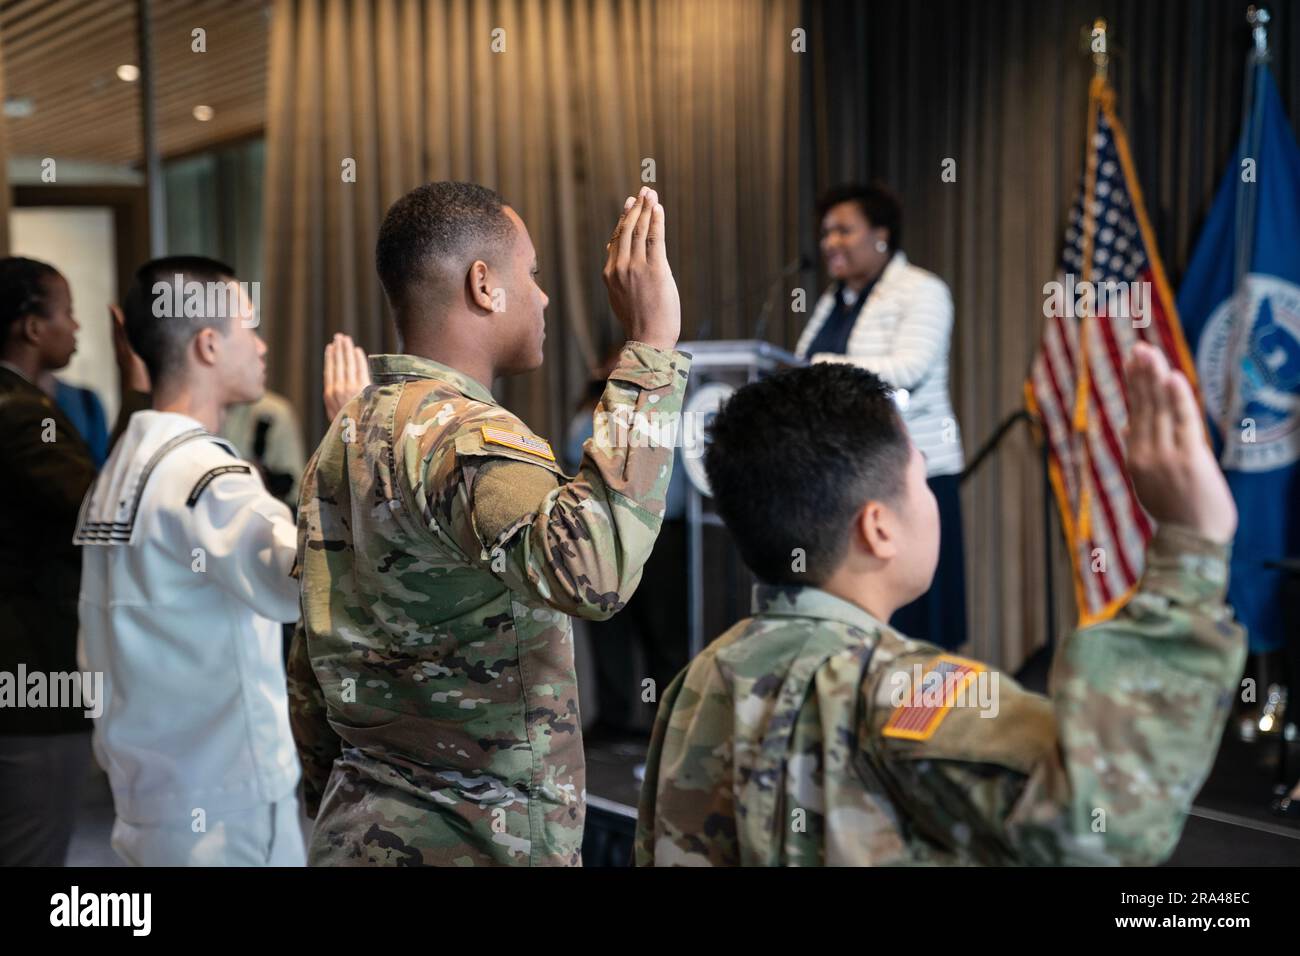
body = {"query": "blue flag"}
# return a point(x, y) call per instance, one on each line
point(1240, 309)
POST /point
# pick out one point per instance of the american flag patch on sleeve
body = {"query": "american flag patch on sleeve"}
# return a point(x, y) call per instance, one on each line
point(528, 443)
point(935, 688)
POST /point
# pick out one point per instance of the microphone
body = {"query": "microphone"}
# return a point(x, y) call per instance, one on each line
point(800, 263)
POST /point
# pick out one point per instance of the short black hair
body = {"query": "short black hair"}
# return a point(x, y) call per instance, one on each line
point(877, 202)
point(438, 226)
point(161, 341)
point(792, 458)
point(24, 291)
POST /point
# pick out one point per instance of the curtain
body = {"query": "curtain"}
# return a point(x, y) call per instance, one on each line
point(895, 88)
point(744, 131)
point(6, 195)
point(583, 98)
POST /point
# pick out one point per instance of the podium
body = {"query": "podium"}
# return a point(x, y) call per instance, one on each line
point(718, 368)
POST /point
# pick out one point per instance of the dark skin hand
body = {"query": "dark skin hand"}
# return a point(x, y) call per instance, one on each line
point(131, 369)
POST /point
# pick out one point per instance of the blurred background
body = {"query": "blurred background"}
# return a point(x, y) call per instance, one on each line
point(274, 135)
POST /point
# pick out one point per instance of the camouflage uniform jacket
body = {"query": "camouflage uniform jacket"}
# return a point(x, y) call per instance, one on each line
point(432, 686)
point(803, 736)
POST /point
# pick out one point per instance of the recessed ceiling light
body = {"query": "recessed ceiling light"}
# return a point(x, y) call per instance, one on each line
point(128, 73)
point(19, 107)
point(203, 113)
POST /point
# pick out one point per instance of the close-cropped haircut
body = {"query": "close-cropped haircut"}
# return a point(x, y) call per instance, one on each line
point(24, 291)
point(157, 324)
point(792, 459)
point(431, 235)
point(881, 207)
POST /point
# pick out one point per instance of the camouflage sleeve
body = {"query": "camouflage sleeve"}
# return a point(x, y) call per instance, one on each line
point(687, 811)
point(313, 736)
point(579, 544)
point(1105, 771)
point(643, 850)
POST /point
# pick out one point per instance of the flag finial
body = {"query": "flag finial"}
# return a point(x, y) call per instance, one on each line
point(1258, 18)
point(1098, 47)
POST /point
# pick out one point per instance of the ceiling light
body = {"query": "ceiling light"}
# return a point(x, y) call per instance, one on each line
point(203, 113)
point(128, 73)
point(19, 107)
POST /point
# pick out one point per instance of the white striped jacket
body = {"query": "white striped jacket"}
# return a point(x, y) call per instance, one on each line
point(902, 334)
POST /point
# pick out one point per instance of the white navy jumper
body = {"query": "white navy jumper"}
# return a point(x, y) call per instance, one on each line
point(186, 578)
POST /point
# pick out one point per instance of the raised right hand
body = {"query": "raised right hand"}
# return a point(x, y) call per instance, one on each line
point(642, 291)
point(1174, 471)
point(345, 373)
point(132, 374)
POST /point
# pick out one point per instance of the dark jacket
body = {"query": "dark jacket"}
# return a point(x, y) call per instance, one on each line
point(42, 483)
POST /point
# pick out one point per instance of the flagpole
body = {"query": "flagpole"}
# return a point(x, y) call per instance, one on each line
point(1244, 237)
point(1097, 47)
point(1258, 19)
point(1088, 226)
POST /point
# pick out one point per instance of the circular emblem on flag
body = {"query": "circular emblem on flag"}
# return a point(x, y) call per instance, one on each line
point(1250, 373)
point(701, 405)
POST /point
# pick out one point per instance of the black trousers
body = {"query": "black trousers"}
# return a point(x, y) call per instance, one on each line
point(939, 615)
point(655, 621)
point(40, 790)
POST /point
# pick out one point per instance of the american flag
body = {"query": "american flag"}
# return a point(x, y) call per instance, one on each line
point(1076, 385)
point(936, 689)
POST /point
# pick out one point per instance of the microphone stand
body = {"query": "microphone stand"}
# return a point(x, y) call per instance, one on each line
point(990, 445)
point(793, 267)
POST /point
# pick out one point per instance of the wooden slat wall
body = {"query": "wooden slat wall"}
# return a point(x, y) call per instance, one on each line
point(64, 54)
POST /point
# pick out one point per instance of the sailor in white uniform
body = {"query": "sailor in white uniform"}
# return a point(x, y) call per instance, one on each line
point(187, 567)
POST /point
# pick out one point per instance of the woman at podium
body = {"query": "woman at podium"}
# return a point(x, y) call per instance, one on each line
point(895, 319)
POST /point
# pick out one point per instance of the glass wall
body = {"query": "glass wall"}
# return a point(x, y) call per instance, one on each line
point(214, 205)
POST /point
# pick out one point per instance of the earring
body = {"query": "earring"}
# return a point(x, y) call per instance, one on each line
point(882, 246)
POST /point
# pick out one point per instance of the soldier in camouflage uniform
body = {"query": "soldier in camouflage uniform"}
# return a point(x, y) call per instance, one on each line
point(442, 550)
point(812, 733)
